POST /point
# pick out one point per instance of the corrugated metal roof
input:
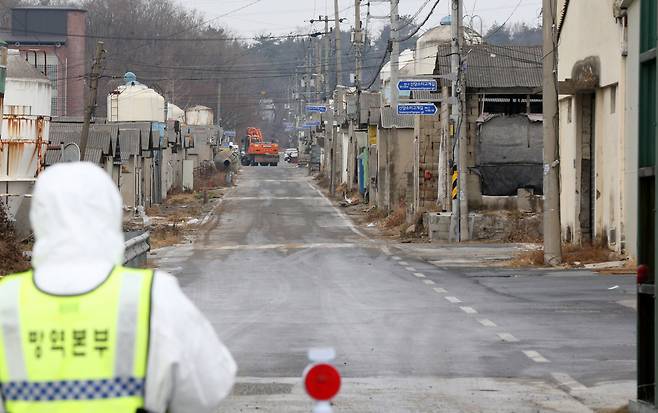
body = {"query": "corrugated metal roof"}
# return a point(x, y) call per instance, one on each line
point(101, 137)
point(390, 118)
point(143, 127)
point(129, 143)
point(54, 156)
point(496, 67)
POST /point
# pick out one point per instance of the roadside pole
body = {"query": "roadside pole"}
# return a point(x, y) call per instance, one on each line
point(456, 118)
point(358, 45)
point(464, 233)
point(96, 70)
point(552, 252)
point(334, 143)
point(395, 73)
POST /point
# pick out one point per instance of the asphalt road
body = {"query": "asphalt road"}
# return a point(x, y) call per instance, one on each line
point(282, 270)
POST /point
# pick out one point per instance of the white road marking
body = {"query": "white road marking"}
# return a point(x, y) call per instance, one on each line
point(386, 251)
point(568, 382)
point(295, 246)
point(535, 356)
point(270, 198)
point(403, 263)
point(340, 213)
point(453, 300)
point(396, 258)
point(410, 269)
point(440, 290)
point(508, 338)
point(486, 322)
point(429, 282)
point(419, 274)
point(469, 310)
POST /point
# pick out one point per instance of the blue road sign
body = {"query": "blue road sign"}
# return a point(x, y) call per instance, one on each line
point(417, 109)
point(312, 124)
point(316, 108)
point(421, 84)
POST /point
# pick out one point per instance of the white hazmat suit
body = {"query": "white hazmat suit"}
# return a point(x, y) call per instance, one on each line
point(76, 215)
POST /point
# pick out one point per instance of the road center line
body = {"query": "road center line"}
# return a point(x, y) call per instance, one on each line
point(535, 356)
point(403, 263)
point(429, 282)
point(419, 275)
point(469, 310)
point(453, 300)
point(386, 251)
point(410, 269)
point(396, 258)
point(440, 290)
point(568, 382)
point(291, 246)
point(508, 338)
point(486, 322)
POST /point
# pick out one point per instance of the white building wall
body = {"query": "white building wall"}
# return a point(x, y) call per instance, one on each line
point(569, 169)
point(631, 116)
point(613, 153)
point(590, 29)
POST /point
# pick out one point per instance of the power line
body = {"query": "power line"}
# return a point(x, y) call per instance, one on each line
point(423, 23)
point(499, 28)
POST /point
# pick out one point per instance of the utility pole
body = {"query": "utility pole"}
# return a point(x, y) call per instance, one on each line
point(552, 238)
point(459, 220)
point(327, 44)
point(219, 102)
point(96, 70)
point(395, 55)
point(358, 45)
point(339, 65)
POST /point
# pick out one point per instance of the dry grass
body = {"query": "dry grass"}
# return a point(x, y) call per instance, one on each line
point(572, 255)
point(166, 236)
point(396, 218)
point(12, 259)
point(375, 215)
point(322, 181)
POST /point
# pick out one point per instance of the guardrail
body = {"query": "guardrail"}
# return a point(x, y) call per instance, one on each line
point(137, 247)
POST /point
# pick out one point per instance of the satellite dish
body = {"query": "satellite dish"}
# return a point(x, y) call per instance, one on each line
point(70, 153)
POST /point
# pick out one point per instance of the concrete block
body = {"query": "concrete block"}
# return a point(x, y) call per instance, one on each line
point(438, 225)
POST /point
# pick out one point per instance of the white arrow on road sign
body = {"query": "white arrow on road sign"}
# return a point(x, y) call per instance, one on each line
point(316, 108)
point(417, 109)
point(428, 85)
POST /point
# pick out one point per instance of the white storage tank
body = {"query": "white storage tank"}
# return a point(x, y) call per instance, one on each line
point(135, 102)
point(199, 115)
point(426, 45)
point(175, 113)
point(27, 91)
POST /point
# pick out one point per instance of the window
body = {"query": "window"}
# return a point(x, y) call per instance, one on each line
point(613, 99)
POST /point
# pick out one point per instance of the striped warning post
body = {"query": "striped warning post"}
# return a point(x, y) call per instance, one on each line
point(455, 177)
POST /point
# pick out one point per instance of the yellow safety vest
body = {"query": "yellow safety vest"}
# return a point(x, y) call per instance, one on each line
point(75, 354)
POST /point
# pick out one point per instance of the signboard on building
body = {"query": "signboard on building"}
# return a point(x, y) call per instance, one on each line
point(427, 109)
point(230, 134)
point(372, 134)
point(428, 85)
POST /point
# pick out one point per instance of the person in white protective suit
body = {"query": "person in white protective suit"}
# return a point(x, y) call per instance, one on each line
point(76, 216)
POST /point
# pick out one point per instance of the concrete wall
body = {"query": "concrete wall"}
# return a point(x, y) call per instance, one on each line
point(395, 175)
point(630, 129)
point(608, 199)
point(607, 150)
point(509, 154)
point(590, 29)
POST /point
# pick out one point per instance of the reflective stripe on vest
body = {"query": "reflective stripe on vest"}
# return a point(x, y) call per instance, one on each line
point(81, 353)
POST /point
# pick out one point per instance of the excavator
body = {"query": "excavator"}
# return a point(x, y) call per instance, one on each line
point(255, 151)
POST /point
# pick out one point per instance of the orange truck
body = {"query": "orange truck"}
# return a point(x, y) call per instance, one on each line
point(258, 152)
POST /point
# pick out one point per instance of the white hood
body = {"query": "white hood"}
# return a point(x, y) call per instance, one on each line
point(76, 216)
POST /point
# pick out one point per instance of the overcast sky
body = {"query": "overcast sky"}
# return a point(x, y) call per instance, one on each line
point(285, 16)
